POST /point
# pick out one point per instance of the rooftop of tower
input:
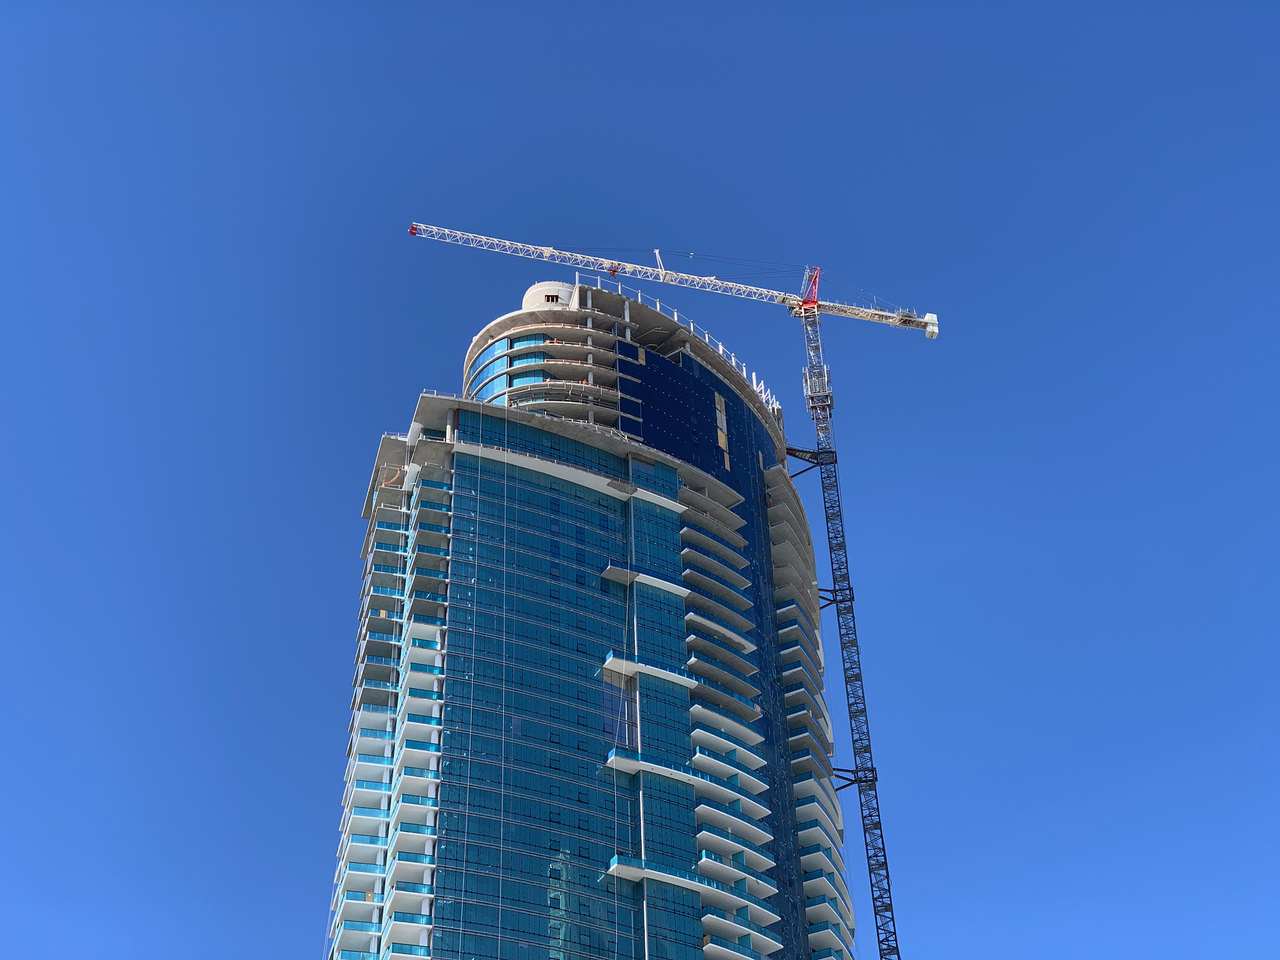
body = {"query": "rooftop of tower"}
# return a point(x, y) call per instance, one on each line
point(580, 321)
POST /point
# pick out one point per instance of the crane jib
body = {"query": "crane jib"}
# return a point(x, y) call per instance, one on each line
point(904, 318)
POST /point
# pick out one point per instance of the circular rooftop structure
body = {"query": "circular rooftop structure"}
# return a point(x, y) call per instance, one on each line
point(558, 354)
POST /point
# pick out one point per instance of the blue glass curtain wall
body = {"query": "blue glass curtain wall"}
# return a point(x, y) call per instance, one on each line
point(529, 816)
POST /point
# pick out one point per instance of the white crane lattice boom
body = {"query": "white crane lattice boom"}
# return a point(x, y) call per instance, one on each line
point(901, 318)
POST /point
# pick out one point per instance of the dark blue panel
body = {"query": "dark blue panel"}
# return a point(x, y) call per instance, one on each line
point(628, 369)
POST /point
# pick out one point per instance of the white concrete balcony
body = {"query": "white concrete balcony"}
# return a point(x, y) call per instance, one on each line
point(811, 785)
point(426, 575)
point(712, 864)
point(420, 726)
point(360, 877)
point(801, 735)
point(712, 716)
point(801, 686)
point(789, 578)
point(369, 766)
point(418, 753)
point(713, 668)
point(727, 768)
point(731, 821)
point(730, 845)
point(699, 620)
point(356, 905)
point(362, 848)
point(719, 948)
point(370, 739)
point(813, 808)
point(708, 541)
point(704, 785)
point(812, 831)
point(801, 715)
point(830, 936)
point(712, 648)
point(423, 675)
point(424, 834)
point(356, 935)
point(712, 892)
point(421, 651)
point(370, 821)
point(730, 701)
point(719, 741)
point(405, 928)
point(819, 883)
point(716, 512)
point(820, 857)
point(716, 922)
point(411, 867)
point(796, 660)
point(809, 761)
point(629, 666)
point(410, 896)
point(782, 510)
point(415, 781)
point(403, 841)
point(719, 610)
point(697, 575)
point(824, 909)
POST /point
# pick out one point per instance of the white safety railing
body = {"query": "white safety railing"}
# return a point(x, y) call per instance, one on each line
point(700, 333)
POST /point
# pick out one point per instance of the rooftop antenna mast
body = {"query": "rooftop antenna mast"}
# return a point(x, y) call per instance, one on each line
point(820, 401)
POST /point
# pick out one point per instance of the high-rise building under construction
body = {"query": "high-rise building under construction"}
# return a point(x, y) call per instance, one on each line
point(588, 717)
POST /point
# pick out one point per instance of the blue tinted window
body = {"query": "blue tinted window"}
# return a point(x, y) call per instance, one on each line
point(518, 379)
point(523, 438)
point(494, 386)
point(523, 358)
point(488, 370)
point(488, 353)
point(529, 817)
point(657, 477)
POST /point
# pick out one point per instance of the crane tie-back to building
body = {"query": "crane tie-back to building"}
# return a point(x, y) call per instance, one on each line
point(820, 401)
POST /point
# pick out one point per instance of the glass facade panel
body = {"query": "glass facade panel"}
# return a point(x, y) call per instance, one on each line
point(495, 386)
point(520, 359)
point(529, 819)
point(658, 477)
point(519, 379)
point(489, 369)
point(488, 353)
point(523, 438)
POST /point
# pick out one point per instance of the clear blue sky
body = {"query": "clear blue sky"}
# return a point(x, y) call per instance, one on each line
point(1063, 511)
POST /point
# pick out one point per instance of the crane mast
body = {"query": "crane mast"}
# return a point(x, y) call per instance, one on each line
point(819, 399)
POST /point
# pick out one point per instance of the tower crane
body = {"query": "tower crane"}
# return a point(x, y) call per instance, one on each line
point(819, 399)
